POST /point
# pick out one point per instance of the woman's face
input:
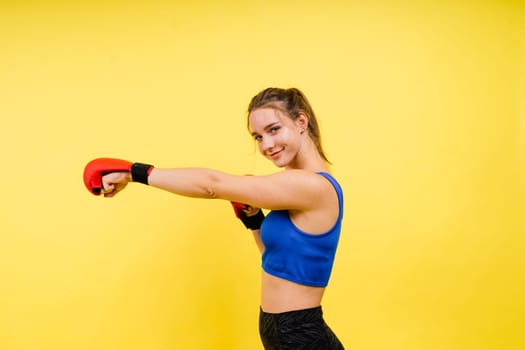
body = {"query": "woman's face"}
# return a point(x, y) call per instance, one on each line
point(277, 135)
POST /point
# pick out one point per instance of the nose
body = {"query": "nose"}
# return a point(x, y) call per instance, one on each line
point(266, 144)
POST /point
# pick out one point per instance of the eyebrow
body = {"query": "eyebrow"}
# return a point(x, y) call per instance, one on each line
point(269, 126)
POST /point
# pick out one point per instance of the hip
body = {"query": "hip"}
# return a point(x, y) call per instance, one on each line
point(298, 329)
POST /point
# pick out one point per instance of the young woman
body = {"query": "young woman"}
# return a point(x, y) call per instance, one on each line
point(297, 239)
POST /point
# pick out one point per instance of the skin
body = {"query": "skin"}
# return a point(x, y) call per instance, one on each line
point(309, 198)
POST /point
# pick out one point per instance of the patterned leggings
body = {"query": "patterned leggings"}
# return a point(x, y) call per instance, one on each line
point(297, 330)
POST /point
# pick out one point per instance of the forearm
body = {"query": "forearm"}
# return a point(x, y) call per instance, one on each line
point(258, 241)
point(189, 182)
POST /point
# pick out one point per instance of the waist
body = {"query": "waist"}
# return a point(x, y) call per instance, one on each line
point(280, 295)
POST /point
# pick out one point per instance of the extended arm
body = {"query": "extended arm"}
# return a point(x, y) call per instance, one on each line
point(285, 190)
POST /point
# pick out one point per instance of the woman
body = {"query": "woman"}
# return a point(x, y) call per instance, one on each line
point(298, 238)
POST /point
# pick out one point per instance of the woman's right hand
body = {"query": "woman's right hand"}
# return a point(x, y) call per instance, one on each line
point(115, 182)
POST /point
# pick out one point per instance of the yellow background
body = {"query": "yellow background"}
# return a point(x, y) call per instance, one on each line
point(422, 110)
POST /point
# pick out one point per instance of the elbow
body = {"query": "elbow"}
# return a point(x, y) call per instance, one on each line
point(210, 193)
point(210, 187)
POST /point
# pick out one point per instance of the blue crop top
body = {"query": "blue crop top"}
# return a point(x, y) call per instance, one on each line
point(295, 255)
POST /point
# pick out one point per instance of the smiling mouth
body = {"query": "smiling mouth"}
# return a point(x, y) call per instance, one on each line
point(275, 154)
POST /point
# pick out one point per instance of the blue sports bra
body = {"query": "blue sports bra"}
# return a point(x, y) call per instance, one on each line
point(295, 255)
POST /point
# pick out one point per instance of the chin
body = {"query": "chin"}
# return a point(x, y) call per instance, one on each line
point(281, 163)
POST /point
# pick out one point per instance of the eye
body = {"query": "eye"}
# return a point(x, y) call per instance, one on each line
point(257, 138)
point(274, 129)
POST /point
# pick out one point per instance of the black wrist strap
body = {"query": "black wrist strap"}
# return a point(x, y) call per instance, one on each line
point(140, 172)
point(253, 222)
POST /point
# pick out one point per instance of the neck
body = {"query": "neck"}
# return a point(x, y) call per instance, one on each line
point(309, 158)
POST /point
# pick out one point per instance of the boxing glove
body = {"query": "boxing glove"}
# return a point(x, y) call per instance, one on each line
point(252, 222)
point(97, 168)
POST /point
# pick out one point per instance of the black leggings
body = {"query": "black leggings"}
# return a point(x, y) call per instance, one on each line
point(297, 330)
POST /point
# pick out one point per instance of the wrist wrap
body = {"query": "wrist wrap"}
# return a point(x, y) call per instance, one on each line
point(252, 222)
point(140, 172)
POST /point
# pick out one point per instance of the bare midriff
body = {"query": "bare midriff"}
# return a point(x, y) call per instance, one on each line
point(280, 295)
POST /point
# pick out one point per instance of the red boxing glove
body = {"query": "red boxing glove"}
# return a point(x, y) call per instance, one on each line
point(253, 222)
point(239, 208)
point(97, 168)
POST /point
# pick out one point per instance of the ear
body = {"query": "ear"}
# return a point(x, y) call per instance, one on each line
point(301, 121)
